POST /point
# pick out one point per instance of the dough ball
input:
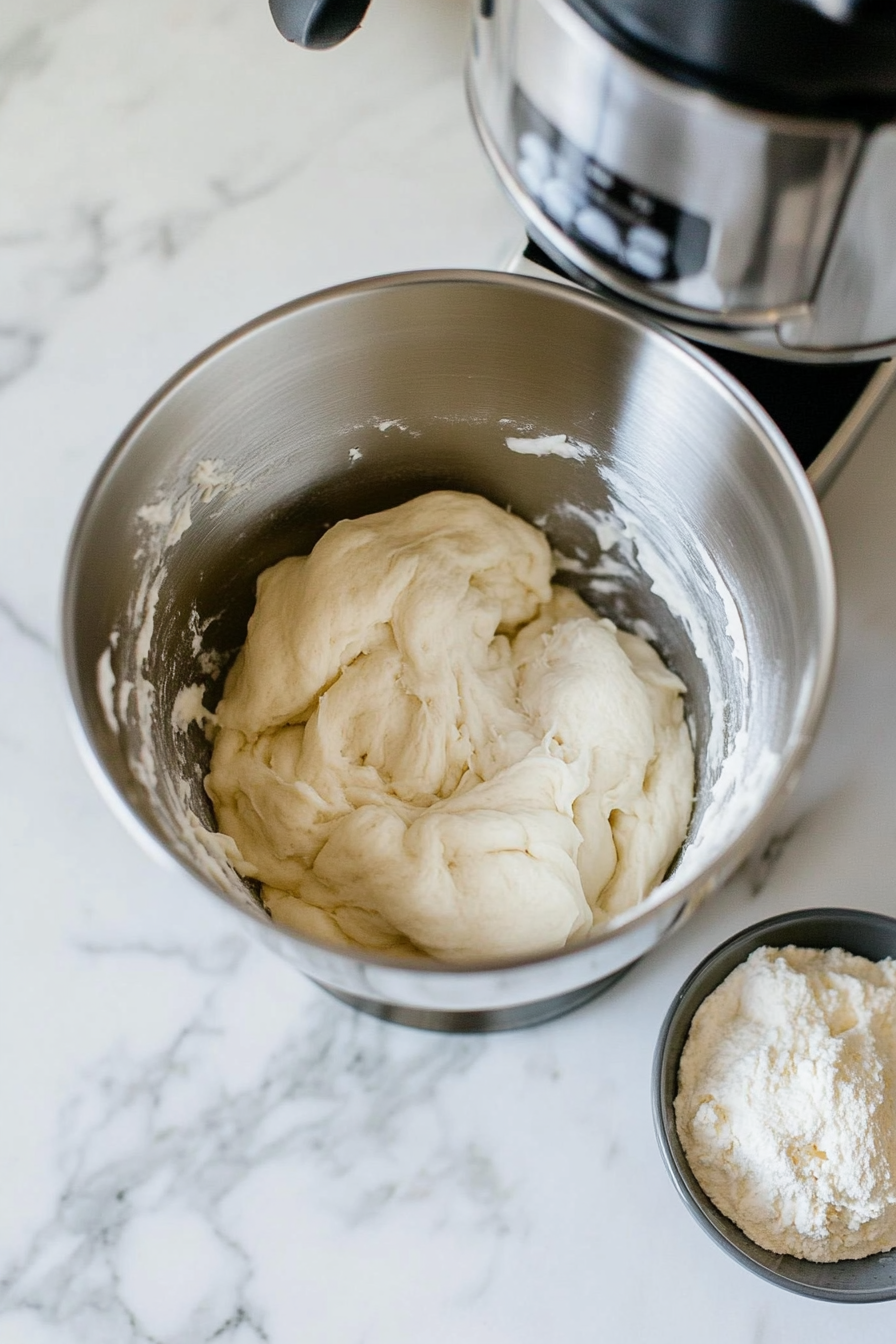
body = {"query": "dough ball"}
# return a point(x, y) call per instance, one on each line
point(424, 746)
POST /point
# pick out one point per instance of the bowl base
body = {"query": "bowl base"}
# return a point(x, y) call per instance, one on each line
point(483, 1019)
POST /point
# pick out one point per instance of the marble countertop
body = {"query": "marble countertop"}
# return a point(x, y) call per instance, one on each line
point(196, 1143)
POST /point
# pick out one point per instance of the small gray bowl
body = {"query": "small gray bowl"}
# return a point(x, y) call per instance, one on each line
point(872, 1279)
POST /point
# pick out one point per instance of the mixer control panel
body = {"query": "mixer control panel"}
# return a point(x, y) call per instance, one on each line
point(616, 220)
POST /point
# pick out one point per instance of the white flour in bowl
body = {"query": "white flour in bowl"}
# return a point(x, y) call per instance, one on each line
point(786, 1106)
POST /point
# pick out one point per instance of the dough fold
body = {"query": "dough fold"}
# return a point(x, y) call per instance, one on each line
point(424, 746)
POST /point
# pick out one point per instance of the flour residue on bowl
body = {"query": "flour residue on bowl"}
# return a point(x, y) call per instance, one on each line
point(126, 692)
point(189, 708)
point(629, 551)
point(105, 687)
point(550, 445)
point(387, 424)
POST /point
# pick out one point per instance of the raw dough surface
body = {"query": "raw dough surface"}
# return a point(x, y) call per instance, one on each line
point(787, 1101)
point(425, 746)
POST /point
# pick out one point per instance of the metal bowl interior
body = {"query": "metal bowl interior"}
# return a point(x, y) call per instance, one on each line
point(687, 519)
point(861, 932)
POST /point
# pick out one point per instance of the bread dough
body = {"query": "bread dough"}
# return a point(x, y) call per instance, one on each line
point(785, 1108)
point(424, 746)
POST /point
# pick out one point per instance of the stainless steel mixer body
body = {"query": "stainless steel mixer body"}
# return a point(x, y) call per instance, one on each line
point(765, 231)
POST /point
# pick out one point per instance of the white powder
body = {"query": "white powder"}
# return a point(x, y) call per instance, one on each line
point(188, 708)
point(105, 688)
point(180, 524)
point(211, 478)
point(787, 1102)
point(128, 696)
point(157, 515)
point(553, 445)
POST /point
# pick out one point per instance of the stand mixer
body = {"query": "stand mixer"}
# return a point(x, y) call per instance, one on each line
point(726, 167)
point(691, 522)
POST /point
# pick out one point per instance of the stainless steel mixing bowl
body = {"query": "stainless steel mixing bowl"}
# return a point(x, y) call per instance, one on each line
point(682, 514)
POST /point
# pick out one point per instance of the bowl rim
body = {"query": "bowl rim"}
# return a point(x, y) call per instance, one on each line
point(694, 887)
point(784, 1271)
